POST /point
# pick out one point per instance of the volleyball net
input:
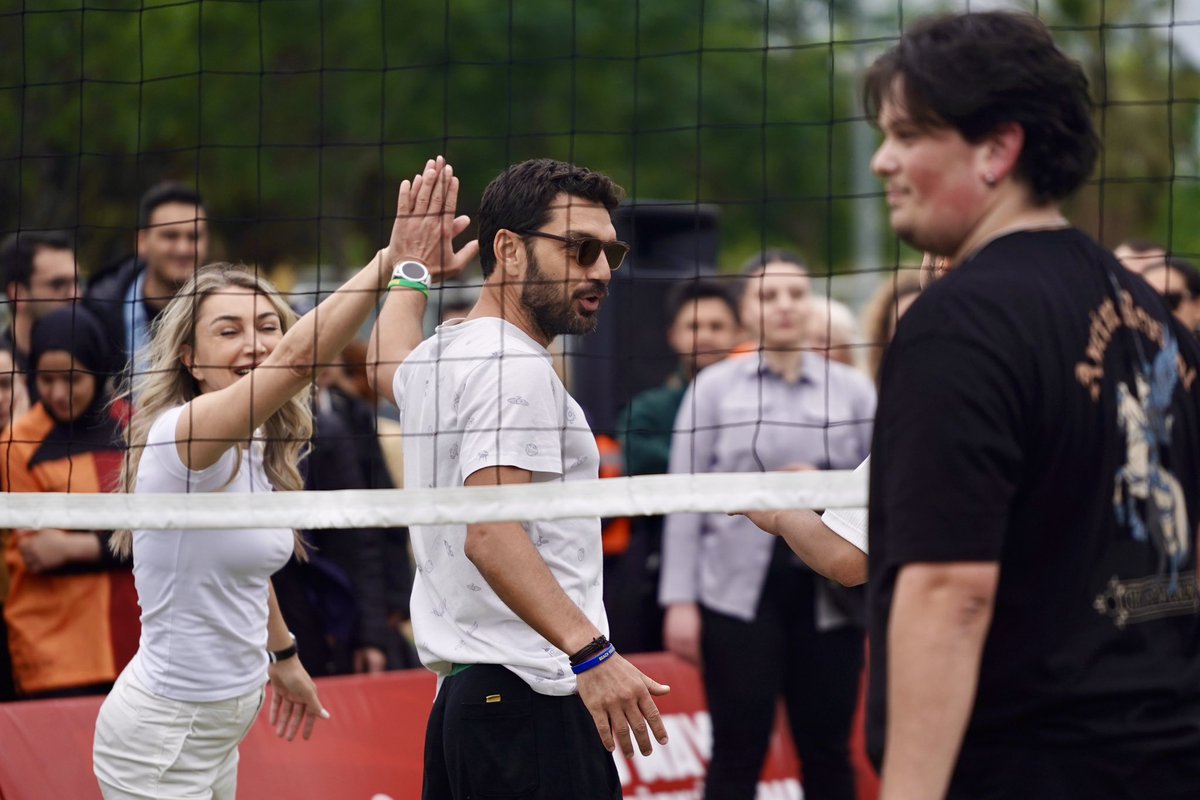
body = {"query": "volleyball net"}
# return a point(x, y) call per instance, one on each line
point(734, 128)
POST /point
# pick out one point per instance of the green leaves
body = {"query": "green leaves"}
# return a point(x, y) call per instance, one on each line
point(298, 119)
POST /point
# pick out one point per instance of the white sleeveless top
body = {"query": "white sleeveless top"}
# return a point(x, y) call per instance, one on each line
point(203, 593)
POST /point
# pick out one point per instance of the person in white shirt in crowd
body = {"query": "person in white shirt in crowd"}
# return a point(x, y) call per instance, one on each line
point(759, 623)
point(834, 543)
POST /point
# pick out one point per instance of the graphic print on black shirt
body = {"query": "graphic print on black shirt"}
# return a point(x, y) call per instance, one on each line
point(1037, 416)
point(1148, 500)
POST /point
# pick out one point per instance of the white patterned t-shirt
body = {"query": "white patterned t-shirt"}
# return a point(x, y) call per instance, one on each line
point(481, 393)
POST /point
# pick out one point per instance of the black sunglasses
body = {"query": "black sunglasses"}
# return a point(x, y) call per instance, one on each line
point(1174, 300)
point(588, 248)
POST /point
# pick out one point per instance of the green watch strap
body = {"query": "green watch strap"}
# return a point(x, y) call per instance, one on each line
point(405, 283)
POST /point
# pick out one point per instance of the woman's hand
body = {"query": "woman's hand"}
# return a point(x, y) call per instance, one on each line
point(425, 224)
point(293, 699)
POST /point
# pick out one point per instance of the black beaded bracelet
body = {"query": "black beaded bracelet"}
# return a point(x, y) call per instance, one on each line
point(592, 648)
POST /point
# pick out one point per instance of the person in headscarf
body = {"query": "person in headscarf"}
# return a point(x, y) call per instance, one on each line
point(72, 611)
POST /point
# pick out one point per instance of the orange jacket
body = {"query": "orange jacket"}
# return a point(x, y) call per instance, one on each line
point(69, 628)
point(615, 532)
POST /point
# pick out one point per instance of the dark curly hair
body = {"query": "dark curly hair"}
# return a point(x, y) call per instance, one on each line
point(519, 199)
point(974, 72)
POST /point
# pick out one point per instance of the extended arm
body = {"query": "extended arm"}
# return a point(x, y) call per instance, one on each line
point(815, 543)
point(616, 693)
point(232, 414)
point(939, 621)
point(293, 693)
point(397, 329)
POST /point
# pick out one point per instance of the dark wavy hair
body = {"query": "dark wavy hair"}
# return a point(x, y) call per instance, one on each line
point(519, 199)
point(974, 72)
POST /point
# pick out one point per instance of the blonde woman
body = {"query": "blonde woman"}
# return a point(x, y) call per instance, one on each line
point(224, 408)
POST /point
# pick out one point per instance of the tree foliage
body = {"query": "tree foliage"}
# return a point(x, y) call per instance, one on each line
point(298, 118)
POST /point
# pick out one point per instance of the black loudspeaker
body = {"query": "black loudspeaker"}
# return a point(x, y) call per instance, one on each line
point(628, 352)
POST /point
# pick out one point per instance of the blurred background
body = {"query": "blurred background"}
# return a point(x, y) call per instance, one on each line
point(735, 124)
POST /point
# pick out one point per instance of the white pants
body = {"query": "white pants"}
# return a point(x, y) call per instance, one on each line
point(148, 746)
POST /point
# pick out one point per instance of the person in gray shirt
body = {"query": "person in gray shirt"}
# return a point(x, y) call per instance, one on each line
point(740, 604)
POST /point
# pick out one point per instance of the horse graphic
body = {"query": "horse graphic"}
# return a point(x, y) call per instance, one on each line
point(1144, 416)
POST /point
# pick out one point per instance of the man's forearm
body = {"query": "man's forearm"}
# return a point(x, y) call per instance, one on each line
point(939, 621)
point(512, 566)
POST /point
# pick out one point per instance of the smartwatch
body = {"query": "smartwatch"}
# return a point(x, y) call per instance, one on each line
point(410, 275)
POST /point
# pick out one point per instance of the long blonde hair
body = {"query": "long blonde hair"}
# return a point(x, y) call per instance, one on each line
point(167, 383)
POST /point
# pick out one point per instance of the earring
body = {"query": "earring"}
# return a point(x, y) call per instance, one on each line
point(989, 179)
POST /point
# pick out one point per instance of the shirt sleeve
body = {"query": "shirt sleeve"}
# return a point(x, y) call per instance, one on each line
point(512, 415)
point(850, 523)
point(947, 451)
point(692, 448)
point(162, 470)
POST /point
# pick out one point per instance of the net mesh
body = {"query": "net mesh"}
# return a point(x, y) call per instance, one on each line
point(734, 127)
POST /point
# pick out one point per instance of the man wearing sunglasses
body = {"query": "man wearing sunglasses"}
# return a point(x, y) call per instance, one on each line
point(531, 696)
point(1178, 281)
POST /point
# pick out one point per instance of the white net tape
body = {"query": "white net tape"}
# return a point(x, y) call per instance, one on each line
point(611, 497)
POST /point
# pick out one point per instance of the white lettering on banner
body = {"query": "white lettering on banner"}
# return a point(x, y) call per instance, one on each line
point(643, 793)
point(786, 789)
point(659, 765)
point(684, 757)
point(697, 729)
point(622, 767)
point(690, 759)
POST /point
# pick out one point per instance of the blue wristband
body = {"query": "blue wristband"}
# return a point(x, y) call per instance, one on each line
point(596, 660)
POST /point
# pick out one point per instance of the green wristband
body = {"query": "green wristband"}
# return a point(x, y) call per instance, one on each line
point(397, 283)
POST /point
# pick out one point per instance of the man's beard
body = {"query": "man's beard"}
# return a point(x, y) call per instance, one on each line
point(553, 314)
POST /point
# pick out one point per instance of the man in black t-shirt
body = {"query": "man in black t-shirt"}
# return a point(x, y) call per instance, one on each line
point(1035, 482)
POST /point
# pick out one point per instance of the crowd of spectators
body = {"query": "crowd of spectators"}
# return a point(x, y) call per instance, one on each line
point(770, 375)
point(70, 615)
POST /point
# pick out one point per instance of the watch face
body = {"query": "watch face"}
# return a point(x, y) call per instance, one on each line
point(414, 271)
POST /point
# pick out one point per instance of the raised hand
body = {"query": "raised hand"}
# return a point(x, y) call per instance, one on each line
point(426, 226)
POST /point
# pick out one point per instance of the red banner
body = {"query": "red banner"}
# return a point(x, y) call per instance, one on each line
point(372, 748)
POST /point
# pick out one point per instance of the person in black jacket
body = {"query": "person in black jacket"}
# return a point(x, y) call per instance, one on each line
point(172, 240)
